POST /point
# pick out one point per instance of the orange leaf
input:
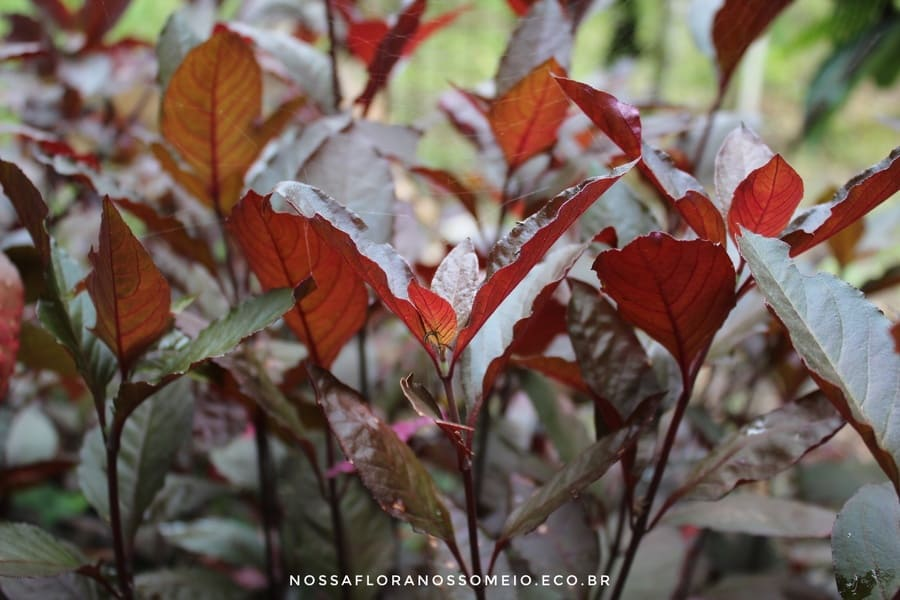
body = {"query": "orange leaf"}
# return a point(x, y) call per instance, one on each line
point(526, 118)
point(131, 296)
point(766, 199)
point(283, 250)
point(438, 316)
point(209, 114)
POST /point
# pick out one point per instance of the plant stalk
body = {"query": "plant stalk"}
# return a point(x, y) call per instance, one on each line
point(337, 520)
point(268, 501)
point(464, 465)
point(123, 572)
point(640, 526)
point(332, 55)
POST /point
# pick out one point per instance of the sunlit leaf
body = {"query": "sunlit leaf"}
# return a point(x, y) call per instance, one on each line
point(526, 118)
point(209, 112)
point(843, 339)
point(765, 201)
point(283, 250)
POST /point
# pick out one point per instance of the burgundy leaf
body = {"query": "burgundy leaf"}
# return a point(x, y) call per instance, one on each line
point(685, 193)
point(736, 25)
point(859, 196)
point(621, 122)
point(29, 206)
point(678, 291)
point(513, 256)
point(390, 50)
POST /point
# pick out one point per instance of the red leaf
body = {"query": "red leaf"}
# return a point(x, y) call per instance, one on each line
point(449, 182)
point(363, 38)
point(736, 25)
point(283, 250)
point(98, 16)
point(526, 118)
point(621, 122)
point(766, 199)
point(173, 232)
point(429, 28)
point(209, 114)
point(29, 206)
point(12, 301)
point(859, 196)
point(390, 50)
point(523, 247)
point(678, 291)
point(423, 312)
point(131, 296)
point(520, 7)
point(685, 193)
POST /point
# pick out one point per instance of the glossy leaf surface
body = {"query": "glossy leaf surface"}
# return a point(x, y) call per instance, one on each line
point(620, 121)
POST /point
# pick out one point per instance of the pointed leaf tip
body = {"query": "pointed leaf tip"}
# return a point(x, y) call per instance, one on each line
point(678, 291)
point(131, 296)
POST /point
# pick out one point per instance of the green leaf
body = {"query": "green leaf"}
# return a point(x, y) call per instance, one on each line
point(69, 318)
point(60, 587)
point(150, 439)
point(29, 551)
point(766, 446)
point(187, 584)
point(567, 483)
point(221, 336)
point(865, 544)
point(843, 339)
point(228, 540)
point(387, 466)
point(561, 422)
point(755, 515)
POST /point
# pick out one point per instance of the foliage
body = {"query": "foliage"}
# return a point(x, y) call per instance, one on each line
point(248, 334)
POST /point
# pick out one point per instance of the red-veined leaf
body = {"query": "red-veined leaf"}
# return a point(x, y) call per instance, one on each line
point(282, 250)
point(379, 265)
point(390, 50)
point(12, 298)
point(764, 202)
point(678, 291)
point(526, 244)
point(526, 118)
point(388, 468)
point(29, 206)
point(620, 121)
point(209, 114)
point(131, 296)
point(544, 33)
point(859, 196)
point(685, 192)
point(736, 25)
point(170, 229)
